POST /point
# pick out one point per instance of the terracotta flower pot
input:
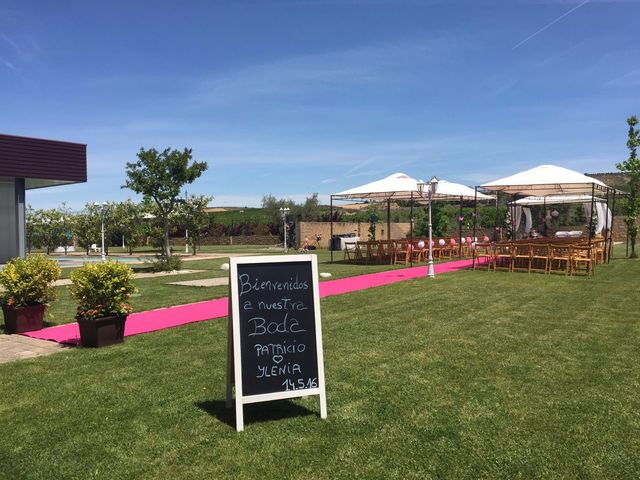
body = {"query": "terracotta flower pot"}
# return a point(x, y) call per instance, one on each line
point(23, 319)
point(102, 331)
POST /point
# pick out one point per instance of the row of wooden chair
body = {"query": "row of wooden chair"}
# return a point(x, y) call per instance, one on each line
point(379, 251)
point(570, 259)
point(403, 251)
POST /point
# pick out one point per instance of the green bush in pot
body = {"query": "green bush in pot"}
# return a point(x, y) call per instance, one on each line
point(28, 289)
point(102, 291)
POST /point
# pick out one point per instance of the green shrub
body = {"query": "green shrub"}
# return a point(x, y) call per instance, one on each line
point(163, 263)
point(102, 289)
point(29, 282)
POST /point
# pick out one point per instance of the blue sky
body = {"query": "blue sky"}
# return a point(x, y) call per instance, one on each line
point(293, 97)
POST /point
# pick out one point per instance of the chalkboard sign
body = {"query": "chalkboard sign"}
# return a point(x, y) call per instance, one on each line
point(275, 339)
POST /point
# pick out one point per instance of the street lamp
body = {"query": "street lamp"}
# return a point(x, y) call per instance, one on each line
point(103, 210)
point(283, 212)
point(432, 188)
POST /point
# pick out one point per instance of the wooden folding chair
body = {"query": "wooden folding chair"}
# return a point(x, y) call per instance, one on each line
point(402, 252)
point(373, 253)
point(386, 252)
point(582, 260)
point(539, 259)
point(444, 250)
point(415, 253)
point(503, 257)
point(357, 253)
point(521, 257)
point(466, 248)
point(560, 258)
point(484, 252)
point(348, 253)
point(599, 254)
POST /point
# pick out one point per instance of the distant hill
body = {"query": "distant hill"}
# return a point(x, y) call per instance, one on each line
point(222, 209)
point(238, 215)
point(616, 180)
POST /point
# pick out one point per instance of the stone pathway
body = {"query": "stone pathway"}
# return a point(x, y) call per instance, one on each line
point(67, 281)
point(16, 347)
point(205, 282)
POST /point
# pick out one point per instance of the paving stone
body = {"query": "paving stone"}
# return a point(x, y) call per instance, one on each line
point(16, 347)
point(205, 282)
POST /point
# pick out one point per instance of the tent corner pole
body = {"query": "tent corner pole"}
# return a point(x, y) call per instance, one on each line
point(388, 219)
point(496, 228)
point(410, 249)
point(593, 191)
point(475, 216)
point(613, 220)
point(460, 230)
point(606, 231)
point(544, 214)
point(331, 226)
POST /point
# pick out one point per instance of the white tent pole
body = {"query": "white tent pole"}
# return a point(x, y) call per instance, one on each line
point(593, 187)
point(331, 227)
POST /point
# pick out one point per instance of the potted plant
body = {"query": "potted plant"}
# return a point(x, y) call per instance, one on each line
point(28, 289)
point(102, 290)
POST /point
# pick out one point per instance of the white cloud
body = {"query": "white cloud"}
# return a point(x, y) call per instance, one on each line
point(383, 64)
point(548, 25)
point(628, 80)
point(8, 64)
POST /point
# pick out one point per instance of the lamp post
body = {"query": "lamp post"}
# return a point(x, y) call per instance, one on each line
point(283, 212)
point(103, 210)
point(432, 188)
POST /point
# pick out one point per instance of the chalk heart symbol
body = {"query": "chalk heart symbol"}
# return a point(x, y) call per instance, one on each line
point(277, 358)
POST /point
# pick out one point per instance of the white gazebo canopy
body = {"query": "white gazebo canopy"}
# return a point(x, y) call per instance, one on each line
point(398, 186)
point(455, 191)
point(546, 180)
point(556, 200)
point(401, 186)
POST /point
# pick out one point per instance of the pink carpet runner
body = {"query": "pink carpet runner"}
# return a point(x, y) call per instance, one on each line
point(163, 318)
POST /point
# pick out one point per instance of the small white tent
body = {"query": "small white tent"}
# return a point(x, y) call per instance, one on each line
point(457, 191)
point(546, 180)
point(401, 186)
point(398, 186)
point(603, 213)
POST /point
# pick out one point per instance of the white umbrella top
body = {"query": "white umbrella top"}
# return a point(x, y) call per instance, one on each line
point(546, 180)
point(401, 186)
point(398, 186)
point(454, 191)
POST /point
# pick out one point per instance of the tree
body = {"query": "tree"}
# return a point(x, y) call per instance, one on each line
point(373, 216)
point(272, 205)
point(631, 166)
point(33, 228)
point(53, 228)
point(66, 221)
point(194, 219)
point(127, 223)
point(310, 209)
point(160, 176)
point(86, 227)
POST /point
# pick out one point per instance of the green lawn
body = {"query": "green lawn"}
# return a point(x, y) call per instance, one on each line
point(156, 292)
point(202, 249)
point(469, 375)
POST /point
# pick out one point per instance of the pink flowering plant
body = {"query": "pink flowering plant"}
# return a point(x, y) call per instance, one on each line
point(102, 289)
